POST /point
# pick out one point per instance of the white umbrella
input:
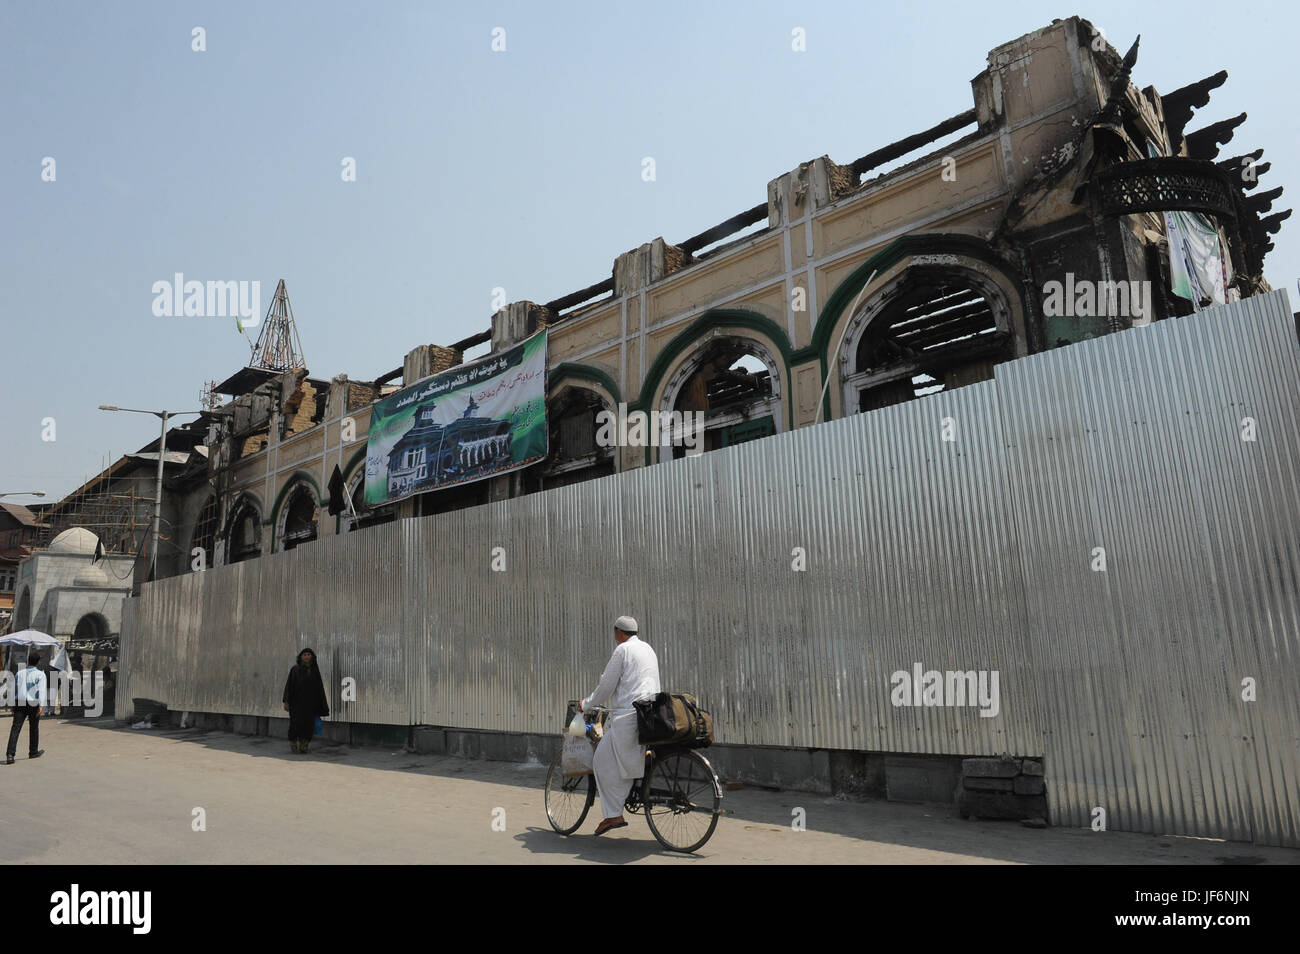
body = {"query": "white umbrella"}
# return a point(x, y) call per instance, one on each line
point(29, 637)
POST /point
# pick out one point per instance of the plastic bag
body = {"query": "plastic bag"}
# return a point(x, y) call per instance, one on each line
point(320, 726)
point(577, 756)
point(577, 726)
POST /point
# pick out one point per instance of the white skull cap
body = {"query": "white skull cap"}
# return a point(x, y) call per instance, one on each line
point(626, 623)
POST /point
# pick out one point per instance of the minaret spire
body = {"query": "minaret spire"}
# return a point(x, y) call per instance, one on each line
point(278, 347)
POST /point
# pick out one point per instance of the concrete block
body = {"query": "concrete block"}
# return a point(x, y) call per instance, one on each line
point(221, 722)
point(548, 747)
point(1029, 785)
point(859, 774)
point(921, 778)
point(429, 739)
point(1032, 767)
point(500, 746)
point(989, 785)
point(998, 806)
point(365, 733)
point(990, 768)
point(803, 770)
point(245, 725)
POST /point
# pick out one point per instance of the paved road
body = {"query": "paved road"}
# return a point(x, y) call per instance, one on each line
point(104, 793)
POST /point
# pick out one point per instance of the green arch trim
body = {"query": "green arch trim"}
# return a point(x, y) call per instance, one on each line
point(284, 492)
point(569, 369)
point(689, 337)
point(925, 243)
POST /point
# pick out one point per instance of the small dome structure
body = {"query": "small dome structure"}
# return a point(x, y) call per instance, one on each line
point(76, 540)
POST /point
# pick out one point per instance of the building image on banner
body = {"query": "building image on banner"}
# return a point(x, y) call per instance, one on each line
point(477, 421)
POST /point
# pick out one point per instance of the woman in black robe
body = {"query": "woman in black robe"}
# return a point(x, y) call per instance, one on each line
point(304, 700)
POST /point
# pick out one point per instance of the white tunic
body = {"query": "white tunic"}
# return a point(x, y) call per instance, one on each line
point(632, 675)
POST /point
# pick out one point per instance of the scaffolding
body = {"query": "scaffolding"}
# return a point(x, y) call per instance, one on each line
point(117, 510)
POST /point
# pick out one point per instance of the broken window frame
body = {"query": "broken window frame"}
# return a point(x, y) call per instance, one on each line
point(994, 347)
point(727, 417)
point(244, 510)
point(565, 403)
point(206, 530)
point(286, 539)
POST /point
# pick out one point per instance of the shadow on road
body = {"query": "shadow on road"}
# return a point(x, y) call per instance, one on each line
point(615, 848)
point(933, 827)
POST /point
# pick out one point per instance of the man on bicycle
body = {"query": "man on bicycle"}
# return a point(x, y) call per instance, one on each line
point(632, 675)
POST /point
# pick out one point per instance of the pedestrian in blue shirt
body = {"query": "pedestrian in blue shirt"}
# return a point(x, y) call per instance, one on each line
point(28, 703)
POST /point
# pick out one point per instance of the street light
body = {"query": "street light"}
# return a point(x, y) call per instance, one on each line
point(157, 497)
point(24, 493)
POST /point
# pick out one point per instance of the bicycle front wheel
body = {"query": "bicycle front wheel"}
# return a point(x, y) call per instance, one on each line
point(683, 799)
point(568, 799)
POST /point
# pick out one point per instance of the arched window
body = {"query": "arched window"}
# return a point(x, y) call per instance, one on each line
point(244, 540)
point(735, 383)
point(205, 531)
point(575, 454)
point(930, 330)
point(298, 517)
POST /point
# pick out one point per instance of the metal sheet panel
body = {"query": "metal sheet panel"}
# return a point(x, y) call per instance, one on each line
point(785, 580)
point(782, 581)
point(1133, 443)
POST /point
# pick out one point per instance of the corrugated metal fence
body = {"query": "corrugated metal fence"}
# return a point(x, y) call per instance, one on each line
point(785, 580)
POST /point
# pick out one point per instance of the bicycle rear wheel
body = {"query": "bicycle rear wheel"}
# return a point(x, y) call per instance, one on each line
point(568, 799)
point(682, 799)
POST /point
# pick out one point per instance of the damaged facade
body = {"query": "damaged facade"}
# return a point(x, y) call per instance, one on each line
point(842, 292)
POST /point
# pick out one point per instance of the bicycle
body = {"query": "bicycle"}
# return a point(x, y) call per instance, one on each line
point(679, 792)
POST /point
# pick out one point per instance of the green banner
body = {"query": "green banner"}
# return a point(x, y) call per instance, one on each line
point(477, 420)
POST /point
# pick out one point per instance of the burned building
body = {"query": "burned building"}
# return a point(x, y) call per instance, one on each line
point(1011, 279)
point(1064, 203)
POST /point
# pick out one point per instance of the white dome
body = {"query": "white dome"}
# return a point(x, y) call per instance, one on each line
point(91, 576)
point(77, 540)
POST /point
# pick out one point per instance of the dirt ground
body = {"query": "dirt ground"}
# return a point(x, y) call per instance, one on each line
point(105, 793)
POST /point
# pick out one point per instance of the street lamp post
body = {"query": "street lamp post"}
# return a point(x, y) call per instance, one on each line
point(157, 496)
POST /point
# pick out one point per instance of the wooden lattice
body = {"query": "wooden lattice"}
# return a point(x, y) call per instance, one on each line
point(1165, 184)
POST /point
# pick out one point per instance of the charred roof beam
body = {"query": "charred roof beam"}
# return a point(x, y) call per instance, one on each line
point(1204, 143)
point(1272, 224)
point(1180, 103)
point(1263, 201)
point(901, 148)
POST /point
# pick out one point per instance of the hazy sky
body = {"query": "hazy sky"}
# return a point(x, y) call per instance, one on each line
point(475, 169)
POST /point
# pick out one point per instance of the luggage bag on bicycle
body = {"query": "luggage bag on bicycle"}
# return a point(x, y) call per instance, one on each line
point(673, 718)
